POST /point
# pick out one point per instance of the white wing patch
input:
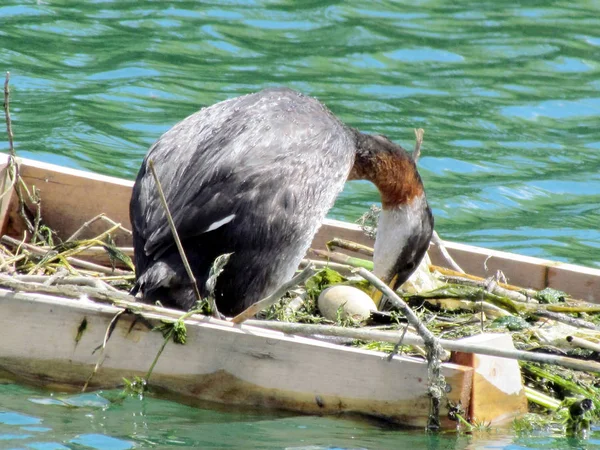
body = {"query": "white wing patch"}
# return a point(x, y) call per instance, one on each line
point(220, 223)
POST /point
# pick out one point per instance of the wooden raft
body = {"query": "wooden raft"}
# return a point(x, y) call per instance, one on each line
point(241, 364)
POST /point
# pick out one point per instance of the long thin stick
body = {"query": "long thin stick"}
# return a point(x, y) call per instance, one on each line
point(75, 261)
point(437, 241)
point(412, 339)
point(275, 296)
point(186, 264)
point(107, 334)
point(100, 216)
point(318, 264)
point(418, 142)
point(434, 350)
point(349, 245)
point(9, 131)
point(583, 343)
point(573, 321)
point(412, 318)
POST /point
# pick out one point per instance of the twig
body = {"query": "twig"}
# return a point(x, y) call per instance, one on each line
point(103, 217)
point(9, 131)
point(580, 323)
point(341, 258)
point(583, 343)
point(418, 142)
point(15, 177)
point(68, 291)
point(541, 399)
point(66, 280)
point(186, 264)
point(349, 245)
point(109, 330)
point(412, 339)
point(96, 250)
point(319, 264)
point(6, 172)
point(75, 261)
point(464, 278)
point(275, 296)
point(434, 350)
point(435, 239)
point(494, 288)
point(398, 344)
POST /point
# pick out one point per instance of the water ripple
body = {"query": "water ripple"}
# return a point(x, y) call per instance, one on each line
point(507, 94)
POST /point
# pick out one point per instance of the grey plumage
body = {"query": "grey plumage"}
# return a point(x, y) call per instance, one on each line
point(275, 160)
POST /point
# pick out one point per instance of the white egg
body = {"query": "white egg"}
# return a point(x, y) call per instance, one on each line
point(350, 301)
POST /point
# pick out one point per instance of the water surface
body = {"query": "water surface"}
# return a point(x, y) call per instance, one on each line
point(508, 95)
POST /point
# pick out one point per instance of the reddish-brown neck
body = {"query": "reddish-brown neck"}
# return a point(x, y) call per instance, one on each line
point(389, 167)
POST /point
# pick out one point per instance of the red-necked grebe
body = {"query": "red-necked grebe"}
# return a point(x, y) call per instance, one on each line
point(255, 176)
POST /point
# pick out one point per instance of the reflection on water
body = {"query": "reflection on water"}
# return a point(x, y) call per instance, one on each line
point(508, 96)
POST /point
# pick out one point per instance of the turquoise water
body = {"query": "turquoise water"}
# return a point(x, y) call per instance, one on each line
point(31, 419)
point(508, 95)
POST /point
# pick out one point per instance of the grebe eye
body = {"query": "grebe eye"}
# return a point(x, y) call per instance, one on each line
point(410, 266)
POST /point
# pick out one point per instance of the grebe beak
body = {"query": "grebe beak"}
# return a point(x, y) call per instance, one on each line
point(377, 295)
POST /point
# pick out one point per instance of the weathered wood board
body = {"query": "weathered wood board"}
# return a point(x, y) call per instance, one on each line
point(220, 362)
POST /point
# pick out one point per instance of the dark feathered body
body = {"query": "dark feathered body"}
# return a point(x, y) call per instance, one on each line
point(266, 167)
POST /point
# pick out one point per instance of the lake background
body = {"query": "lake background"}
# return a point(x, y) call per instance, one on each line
point(508, 95)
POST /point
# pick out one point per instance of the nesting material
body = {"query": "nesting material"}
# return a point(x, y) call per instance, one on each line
point(345, 302)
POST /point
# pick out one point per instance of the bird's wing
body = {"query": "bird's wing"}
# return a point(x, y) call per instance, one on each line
point(245, 157)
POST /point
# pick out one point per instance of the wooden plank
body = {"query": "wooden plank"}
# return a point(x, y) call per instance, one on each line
point(71, 197)
point(498, 394)
point(219, 362)
point(535, 273)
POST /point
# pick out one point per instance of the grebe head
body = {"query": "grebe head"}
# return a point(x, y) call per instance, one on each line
point(406, 222)
point(403, 236)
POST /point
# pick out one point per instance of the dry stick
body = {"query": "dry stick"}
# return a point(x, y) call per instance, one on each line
point(349, 245)
point(9, 131)
point(6, 172)
point(415, 340)
point(418, 141)
point(13, 156)
point(434, 350)
point(275, 296)
point(580, 323)
point(75, 261)
point(100, 216)
point(69, 291)
point(109, 330)
point(57, 279)
point(96, 250)
point(186, 264)
point(436, 240)
point(583, 343)
point(494, 288)
point(318, 264)
point(449, 273)
point(16, 180)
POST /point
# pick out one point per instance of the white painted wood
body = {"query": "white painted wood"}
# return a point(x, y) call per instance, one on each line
point(498, 393)
point(220, 362)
